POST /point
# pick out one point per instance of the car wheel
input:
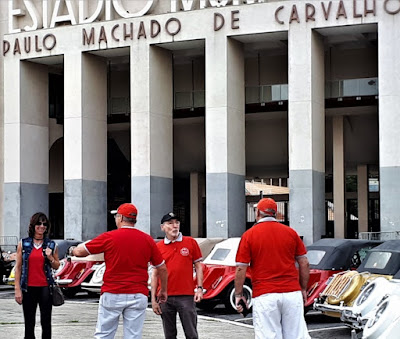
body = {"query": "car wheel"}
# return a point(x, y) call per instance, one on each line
point(230, 297)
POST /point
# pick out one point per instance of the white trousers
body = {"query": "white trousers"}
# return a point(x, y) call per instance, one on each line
point(111, 306)
point(279, 316)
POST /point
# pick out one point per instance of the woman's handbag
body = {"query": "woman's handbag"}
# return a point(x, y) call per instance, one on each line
point(56, 295)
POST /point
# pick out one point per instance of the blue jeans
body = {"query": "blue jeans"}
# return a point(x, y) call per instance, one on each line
point(111, 306)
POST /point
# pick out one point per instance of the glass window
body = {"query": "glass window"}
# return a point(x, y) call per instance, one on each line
point(315, 256)
point(378, 260)
point(220, 254)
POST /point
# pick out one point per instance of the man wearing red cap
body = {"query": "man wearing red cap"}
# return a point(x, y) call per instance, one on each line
point(127, 252)
point(271, 250)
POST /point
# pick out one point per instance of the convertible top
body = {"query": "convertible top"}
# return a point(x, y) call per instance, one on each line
point(392, 266)
point(339, 252)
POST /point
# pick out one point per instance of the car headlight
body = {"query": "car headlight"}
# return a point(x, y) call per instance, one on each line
point(365, 294)
point(98, 274)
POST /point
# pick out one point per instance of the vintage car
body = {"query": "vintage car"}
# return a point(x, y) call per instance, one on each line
point(343, 289)
point(385, 321)
point(363, 308)
point(93, 285)
point(330, 256)
point(63, 247)
point(73, 271)
point(219, 275)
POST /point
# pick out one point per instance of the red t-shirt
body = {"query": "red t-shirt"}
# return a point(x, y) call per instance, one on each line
point(179, 257)
point(127, 252)
point(271, 249)
point(36, 275)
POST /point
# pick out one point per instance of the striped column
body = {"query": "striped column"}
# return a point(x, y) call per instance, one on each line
point(389, 123)
point(225, 137)
point(85, 145)
point(306, 133)
point(151, 135)
point(26, 149)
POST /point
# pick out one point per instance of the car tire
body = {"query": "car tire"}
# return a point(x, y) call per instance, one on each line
point(229, 300)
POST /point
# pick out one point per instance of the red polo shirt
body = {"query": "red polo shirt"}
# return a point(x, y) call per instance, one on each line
point(127, 252)
point(271, 249)
point(180, 256)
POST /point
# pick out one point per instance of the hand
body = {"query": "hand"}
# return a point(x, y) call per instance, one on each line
point(18, 296)
point(71, 251)
point(49, 253)
point(198, 296)
point(156, 307)
point(239, 308)
point(162, 297)
point(304, 293)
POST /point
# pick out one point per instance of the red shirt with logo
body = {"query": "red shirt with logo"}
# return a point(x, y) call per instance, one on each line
point(179, 257)
point(271, 249)
point(127, 252)
point(36, 275)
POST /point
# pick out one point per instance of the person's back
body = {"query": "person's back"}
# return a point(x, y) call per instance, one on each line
point(274, 247)
point(271, 250)
point(127, 253)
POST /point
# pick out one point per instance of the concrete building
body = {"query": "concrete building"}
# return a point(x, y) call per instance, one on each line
point(174, 104)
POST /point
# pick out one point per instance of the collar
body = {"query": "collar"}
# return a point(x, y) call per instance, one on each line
point(265, 219)
point(131, 227)
point(167, 241)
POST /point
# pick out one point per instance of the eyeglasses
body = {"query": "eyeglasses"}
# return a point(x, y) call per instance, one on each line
point(116, 216)
point(41, 223)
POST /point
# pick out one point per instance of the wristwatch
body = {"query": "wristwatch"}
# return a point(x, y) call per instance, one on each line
point(200, 287)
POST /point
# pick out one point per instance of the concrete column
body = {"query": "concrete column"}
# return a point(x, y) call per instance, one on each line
point(85, 145)
point(225, 137)
point(26, 150)
point(306, 133)
point(339, 184)
point(196, 189)
point(389, 123)
point(362, 196)
point(151, 135)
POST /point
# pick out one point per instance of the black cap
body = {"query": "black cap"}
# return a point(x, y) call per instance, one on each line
point(168, 217)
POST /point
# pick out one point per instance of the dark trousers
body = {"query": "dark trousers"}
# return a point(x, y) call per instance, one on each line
point(185, 306)
point(30, 300)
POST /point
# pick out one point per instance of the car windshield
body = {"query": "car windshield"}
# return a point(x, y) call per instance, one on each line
point(220, 254)
point(315, 256)
point(378, 260)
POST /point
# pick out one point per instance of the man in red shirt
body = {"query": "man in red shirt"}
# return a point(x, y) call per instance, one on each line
point(271, 250)
point(127, 253)
point(180, 254)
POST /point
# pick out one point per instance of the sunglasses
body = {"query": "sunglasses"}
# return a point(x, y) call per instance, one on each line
point(39, 223)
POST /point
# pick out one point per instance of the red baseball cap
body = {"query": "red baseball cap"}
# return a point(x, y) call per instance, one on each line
point(127, 210)
point(267, 205)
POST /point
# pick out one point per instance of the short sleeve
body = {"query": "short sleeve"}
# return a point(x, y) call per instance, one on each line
point(156, 257)
point(243, 255)
point(98, 244)
point(197, 255)
point(300, 248)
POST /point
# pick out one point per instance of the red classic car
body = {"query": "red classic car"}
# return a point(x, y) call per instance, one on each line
point(219, 275)
point(75, 270)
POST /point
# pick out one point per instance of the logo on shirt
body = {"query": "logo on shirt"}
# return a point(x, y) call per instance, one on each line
point(184, 251)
